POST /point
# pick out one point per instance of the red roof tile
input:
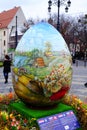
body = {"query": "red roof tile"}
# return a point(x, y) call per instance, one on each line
point(7, 16)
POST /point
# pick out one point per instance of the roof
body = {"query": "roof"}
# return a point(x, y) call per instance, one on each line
point(7, 16)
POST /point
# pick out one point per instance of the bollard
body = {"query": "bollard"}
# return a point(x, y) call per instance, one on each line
point(10, 89)
point(85, 59)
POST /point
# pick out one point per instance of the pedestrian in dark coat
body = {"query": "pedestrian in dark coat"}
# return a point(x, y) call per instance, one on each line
point(85, 84)
point(6, 67)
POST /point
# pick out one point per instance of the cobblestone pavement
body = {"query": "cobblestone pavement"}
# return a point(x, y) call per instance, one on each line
point(5, 88)
point(77, 87)
point(79, 78)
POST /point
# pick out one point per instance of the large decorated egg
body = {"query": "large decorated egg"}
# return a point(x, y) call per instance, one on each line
point(42, 69)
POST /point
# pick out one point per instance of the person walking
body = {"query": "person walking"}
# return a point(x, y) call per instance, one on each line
point(6, 67)
point(85, 84)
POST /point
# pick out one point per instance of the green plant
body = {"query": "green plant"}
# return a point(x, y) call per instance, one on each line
point(1, 63)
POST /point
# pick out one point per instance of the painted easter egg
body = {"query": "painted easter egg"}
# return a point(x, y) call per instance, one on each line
point(42, 69)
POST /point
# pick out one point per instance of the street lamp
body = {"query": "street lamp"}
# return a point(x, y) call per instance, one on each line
point(16, 34)
point(58, 3)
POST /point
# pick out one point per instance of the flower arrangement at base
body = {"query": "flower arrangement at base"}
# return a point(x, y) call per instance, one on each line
point(80, 108)
point(12, 120)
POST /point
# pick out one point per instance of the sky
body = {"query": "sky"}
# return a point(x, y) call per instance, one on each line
point(38, 9)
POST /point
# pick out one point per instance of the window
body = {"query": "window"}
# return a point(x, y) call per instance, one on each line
point(4, 33)
point(4, 42)
point(4, 52)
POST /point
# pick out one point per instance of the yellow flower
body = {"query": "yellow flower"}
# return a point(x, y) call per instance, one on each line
point(4, 115)
point(6, 128)
point(11, 116)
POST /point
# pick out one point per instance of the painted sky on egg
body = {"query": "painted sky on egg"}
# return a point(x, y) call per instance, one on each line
point(38, 35)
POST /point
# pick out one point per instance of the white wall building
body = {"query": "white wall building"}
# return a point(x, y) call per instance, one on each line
point(8, 26)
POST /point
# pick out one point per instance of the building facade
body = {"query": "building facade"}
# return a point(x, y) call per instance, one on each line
point(11, 21)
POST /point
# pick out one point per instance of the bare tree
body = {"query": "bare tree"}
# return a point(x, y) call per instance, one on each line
point(27, 25)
